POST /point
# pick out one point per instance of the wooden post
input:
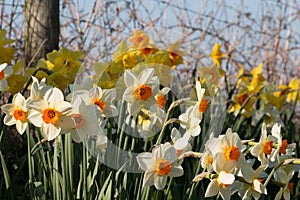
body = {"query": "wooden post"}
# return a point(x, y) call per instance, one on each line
point(41, 29)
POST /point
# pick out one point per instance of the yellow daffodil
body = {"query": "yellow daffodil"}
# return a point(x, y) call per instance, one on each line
point(217, 55)
point(6, 53)
point(258, 80)
point(139, 39)
point(175, 55)
point(294, 87)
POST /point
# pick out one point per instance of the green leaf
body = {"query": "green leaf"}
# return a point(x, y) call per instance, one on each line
point(5, 172)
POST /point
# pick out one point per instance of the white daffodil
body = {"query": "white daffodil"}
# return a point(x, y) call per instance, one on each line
point(86, 120)
point(189, 122)
point(159, 164)
point(253, 186)
point(229, 145)
point(181, 143)
point(38, 90)
point(103, 99)
point(51, 113)
point(264, 147)
point(16, 113)
point(284, 178)
point(201, 104)
point(5, 72)
point(222, 184)
point(140, 90)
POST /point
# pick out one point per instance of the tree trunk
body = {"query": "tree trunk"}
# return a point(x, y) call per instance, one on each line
point(41, 29)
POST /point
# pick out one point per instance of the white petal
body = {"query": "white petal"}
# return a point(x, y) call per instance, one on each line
point(259, 187)
point(145, 161)
point(176, 171)
point(181, 143)
point(169, 152)
point(21, 127)
point(9, 120)
point(8, 109)
point(130, 78)
point(226, 178)
point(148, 179)
point(160, 182)
point(212, 189)
point(19, 100)
point(110, 111)
point(146, 75)
point(109, 95)
point(134, 108)
point(54, 96)
point(76, 137)
point(64, 107)
point(129, 95)
point(66, 122)
point(35, 118)
point(95, 92)
point(50, 131)
point(3, 66)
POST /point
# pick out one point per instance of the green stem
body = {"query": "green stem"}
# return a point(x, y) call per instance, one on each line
point(31, 189)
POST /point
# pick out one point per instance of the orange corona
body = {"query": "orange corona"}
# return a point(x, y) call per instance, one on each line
point(20, 115)
point(203, 105)
point(162, 167)
point(144, 92)
point(50, 116)
point(1, 75)
point(268, 147)
point(232, 153)
point(100, 104)
point(161, 100)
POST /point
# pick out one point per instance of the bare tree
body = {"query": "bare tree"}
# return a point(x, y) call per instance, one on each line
point(41, 29)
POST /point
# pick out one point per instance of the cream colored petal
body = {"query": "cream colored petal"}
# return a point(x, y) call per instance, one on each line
point(21, 127)
point(176, 171)
point(146, 161)
point(65, 108)
point(160, 182)
point(8, 109)
point(212, 189)
point(130, 78)
point(110, 111)
point(259, 187)
point(19, 100)
point(146, 75)
point(9, 120)
point(148, 179)
point(50, 131)
point(35, 118)
point(54, 96)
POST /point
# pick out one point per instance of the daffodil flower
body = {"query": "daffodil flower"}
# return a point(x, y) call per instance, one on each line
point(51, 113)
point(223, 183)
point(159, 165)
point(86, 120)
point(16, 113)
point(5, 72)
point(189, 122)
point(201, 104)
point(103, 99)
point(264, 147)
point(284, 177)
point(140, 90)
point(253, 186)
point(181, 143)
point(228, 145)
